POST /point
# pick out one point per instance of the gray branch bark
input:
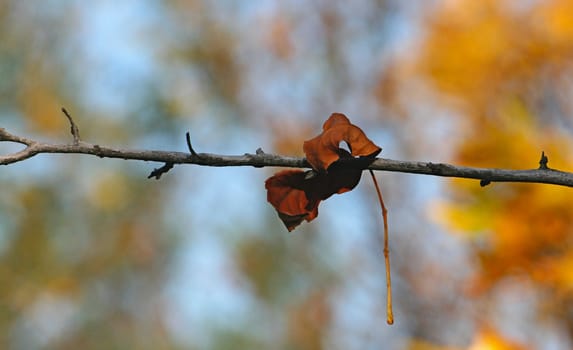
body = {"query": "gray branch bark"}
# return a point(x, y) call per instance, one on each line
point(543, 174)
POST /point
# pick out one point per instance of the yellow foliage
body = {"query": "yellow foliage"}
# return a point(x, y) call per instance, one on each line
point(512, 138)
point(455, 217)
point(476, 50)
point(556, 20)
point(491, 340)
point(528, 229)
point(496, 60)
point(63, 284)
point(109, 192)
point(39, 101)
point(418, 344)
point(465, 46)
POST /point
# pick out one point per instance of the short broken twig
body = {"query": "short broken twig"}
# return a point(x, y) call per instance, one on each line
point(543, 161)
point(73, 127)
point(157, 172)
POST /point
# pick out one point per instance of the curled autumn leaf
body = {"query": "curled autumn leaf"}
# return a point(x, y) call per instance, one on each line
point(287, 192)
point(296, 194)
point(324, 149)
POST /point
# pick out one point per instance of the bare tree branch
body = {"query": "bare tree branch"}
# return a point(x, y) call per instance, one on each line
point(543, 174)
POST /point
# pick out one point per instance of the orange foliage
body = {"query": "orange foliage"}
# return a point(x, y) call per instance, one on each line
point(495, 61)
point(529, 225)
point(478, 49)
point(489, 339)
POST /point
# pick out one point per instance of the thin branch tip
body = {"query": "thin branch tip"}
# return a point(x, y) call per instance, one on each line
point(189, 146)
point(74, 130)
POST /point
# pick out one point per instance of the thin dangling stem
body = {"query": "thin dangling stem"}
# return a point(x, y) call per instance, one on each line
point(389, 313)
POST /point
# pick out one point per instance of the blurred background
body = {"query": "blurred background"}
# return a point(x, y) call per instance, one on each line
point(93, 255)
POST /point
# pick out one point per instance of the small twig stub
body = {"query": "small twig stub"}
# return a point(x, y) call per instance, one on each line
point(75, 131)
point(157, 172)
point(189, 146)
point(543, 161)
point(484, 182)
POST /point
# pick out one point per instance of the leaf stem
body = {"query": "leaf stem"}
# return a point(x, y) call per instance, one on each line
point(389, 313)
